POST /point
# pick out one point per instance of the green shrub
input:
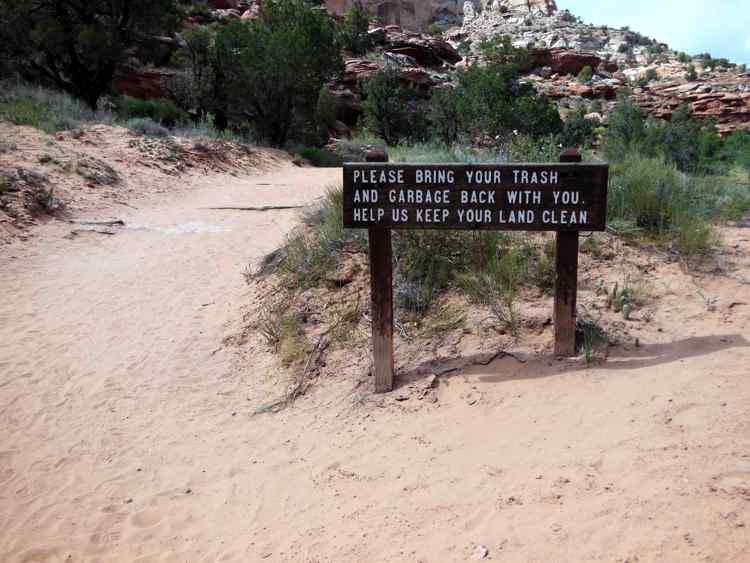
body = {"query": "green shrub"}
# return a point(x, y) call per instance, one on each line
point(691, 74)
point(325, 110)
point(577, 130)
point(162, 111)
point(586, 74)
point(652, 75)
point(490, 101)
point(693, 237)
point(27, 112)
point(444, 115)
point(647, 191)
point(309, 254)
point(321, 158)
point(45, 109)
point(386, 106)
point(436, 30)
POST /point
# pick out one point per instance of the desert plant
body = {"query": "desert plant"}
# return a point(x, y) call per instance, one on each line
point(162, 111)
point(586, 74)
point(386, 105)
point(353, 29)
point(588, 335)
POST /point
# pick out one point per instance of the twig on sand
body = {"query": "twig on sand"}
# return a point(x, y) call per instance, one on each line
point(114, 223)
point(262, 208)
point(75, 232)
point(302, 383)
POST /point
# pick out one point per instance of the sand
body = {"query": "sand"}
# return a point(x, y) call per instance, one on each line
point(127, 431)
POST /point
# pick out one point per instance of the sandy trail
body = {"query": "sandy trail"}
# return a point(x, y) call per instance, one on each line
point(126, 435)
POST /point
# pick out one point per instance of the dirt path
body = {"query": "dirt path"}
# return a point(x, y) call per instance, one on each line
point(113, 370)
point(126, 431)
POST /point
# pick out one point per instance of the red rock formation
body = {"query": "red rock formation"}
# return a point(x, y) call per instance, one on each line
point(139, 83)
point(563, 61)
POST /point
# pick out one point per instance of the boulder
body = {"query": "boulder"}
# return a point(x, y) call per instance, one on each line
point(348, 106)
point(563, 61)
point(358, 70)
point(339, 130)
point(426, 50)
point(139, 83)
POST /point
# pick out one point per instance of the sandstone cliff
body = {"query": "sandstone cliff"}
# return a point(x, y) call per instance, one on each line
point(416, 15)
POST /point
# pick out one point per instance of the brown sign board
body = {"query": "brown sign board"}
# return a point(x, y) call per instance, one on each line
point(525, 197)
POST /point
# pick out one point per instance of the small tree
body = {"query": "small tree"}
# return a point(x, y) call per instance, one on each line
point(76, 46)
point(691, 74)
point(353, 30)
point(444, 115)
point(386, 105)
point(500, 54)
point(626, 130)
point(273, 67)
point(652, 75)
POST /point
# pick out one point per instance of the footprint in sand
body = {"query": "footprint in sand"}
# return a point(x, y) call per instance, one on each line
point(146, 518)
point(736, 482)
point(6, 470)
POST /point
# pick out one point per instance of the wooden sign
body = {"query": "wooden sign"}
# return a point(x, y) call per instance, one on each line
point(522, 197)
point(568, 197)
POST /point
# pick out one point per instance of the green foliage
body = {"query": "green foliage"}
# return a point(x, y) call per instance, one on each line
point(387, 109)
point(626, 129)
point(353, 30)
point(195, 88)
point(589, 334)
point(577, 130)
point(24, 111)
point(646, 191)
point(161, 111)
point(321, 158)
point(691, 74)
point(735, 150)
point(658, 200)
point(652, 75)
point(325, 112)
point(500, 55)
point(45, 109)
point(436, 30)
point(310, 253)
point(586, 74)
point(76, 46)
point(490, 101)
point(273, 67)
point(444, 115)
point(683, 57)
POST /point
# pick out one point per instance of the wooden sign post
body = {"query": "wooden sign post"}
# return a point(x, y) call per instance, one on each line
point(567, 198)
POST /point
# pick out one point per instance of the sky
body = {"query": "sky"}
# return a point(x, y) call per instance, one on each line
point(719, 27)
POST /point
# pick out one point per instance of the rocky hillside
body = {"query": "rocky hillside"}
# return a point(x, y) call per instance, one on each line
point(560, 44)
